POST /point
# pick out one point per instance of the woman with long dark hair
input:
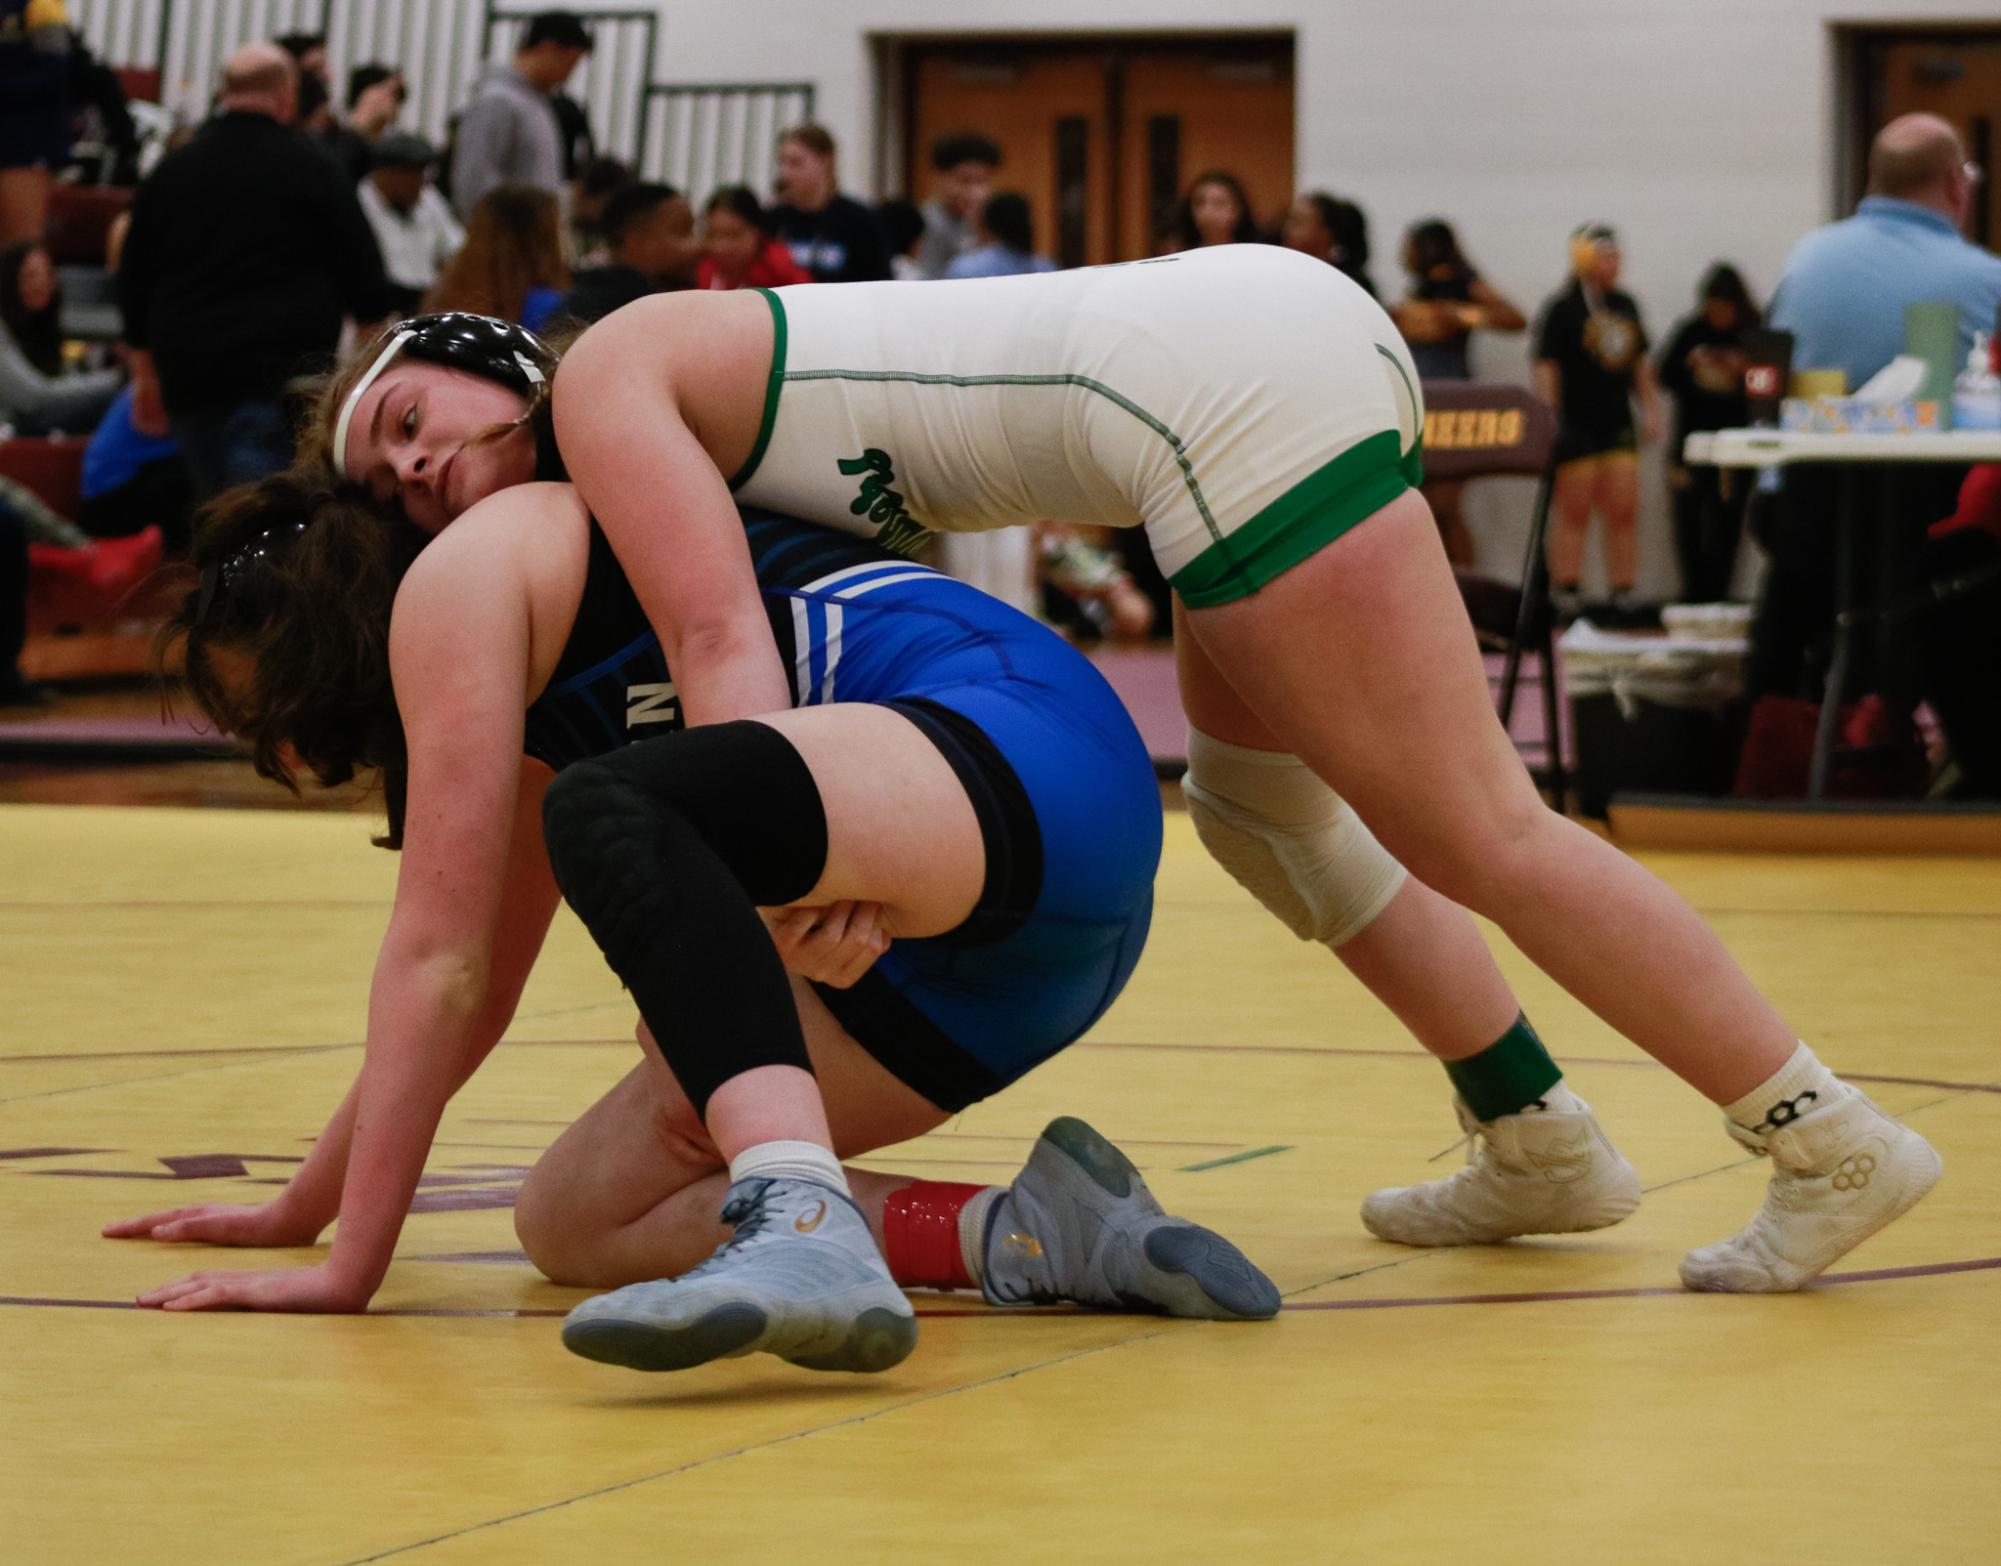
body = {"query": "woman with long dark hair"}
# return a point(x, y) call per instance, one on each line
point(1214, 210)
point(1702, 367)
point(35, 395)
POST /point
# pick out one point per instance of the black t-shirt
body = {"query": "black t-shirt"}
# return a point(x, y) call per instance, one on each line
point(1597, 351)
point(247, 247)
point(596, 291)
point(1708, 394)
point(840, 243)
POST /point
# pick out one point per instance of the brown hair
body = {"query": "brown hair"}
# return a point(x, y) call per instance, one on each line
point(297, 574)
point(514, 242)
point(814, 138)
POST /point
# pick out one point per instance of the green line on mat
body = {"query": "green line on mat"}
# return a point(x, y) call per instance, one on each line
point(1235, 1158)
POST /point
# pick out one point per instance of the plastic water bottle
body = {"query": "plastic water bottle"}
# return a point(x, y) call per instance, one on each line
point(1976, 396)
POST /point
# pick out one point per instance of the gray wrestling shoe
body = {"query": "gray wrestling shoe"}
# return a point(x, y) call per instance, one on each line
point(801, 1278)
point(1079, 1225)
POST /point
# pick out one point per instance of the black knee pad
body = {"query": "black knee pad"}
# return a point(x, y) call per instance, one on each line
point(665, 850)
point(740, 785)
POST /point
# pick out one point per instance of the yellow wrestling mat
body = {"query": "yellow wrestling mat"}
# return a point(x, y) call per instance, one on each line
point(185, 1000)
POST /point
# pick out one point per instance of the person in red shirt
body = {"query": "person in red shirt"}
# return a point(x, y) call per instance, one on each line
point(739, 249)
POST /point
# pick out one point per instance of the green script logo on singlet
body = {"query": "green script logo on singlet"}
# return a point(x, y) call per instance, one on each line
point(896, 529)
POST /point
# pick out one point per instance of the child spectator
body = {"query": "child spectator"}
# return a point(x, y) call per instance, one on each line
point(739, 249)
point(1448, 301)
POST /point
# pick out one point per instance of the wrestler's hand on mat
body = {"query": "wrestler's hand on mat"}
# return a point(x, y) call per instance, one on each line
point(834, 945)
point(220, 1223)
point(313, 1289)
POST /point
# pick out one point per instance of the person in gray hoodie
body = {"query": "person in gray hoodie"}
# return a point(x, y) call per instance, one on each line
point(508, 134)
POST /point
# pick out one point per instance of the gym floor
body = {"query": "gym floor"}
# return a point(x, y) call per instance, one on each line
point(186, 1001)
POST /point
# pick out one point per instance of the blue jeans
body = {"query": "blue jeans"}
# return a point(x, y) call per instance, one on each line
point(228, 446)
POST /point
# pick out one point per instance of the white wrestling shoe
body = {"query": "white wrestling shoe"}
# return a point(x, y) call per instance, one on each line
point(1079, 1226)
point(1543, 1172)
point(801, 1278)
point(1841, 1174)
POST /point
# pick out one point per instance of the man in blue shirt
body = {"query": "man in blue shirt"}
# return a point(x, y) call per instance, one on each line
point(1842, 297)
point(1845, 286)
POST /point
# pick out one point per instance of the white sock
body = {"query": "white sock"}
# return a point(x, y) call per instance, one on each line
point(790, 1161)
point(973, 1231)
point(1559, 1100)
point(1799, 1087)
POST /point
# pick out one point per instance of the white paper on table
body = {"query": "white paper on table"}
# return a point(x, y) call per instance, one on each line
point(1897, 381)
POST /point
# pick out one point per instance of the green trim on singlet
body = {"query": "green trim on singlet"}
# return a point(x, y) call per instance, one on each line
point(1413, 460)
point(772, 387)
point(1305, 519)
point(1099, 387)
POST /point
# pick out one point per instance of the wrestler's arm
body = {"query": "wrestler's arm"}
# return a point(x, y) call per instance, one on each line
point(631, 401)
point(454, 958)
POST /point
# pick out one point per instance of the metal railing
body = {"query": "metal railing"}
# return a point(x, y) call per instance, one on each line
point(697, 136)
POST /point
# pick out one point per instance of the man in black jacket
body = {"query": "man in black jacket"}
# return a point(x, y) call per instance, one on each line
point(246, 250)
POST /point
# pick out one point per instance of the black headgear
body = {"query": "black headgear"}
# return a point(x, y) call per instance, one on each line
point(480, 345)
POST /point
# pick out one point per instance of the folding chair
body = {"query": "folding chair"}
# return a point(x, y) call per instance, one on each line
point(1473, 430)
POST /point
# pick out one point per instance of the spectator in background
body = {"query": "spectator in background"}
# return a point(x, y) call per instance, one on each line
point(965, 163)
point(652, 234)
point(739, 250)
point(1331, 230)
point(1007, 235)
point(375, 95)
point(246, 250)
point(902, 230)
point(313, 113)
point(16, 689)
point(413, 222)
point(36, 397)
point(511, 264)
point(509, 135)
point(1215, 211)
point(1844, 288)
point(835, 239)
point(34, 112)
point(1703, 368)
point(308, 52)
point(1448, 301)
point(596, 183)
point(1591, 358)
point(573, 127)
point(1842, 296)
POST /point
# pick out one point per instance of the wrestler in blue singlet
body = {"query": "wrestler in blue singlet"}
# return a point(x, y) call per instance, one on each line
point(1057, 775)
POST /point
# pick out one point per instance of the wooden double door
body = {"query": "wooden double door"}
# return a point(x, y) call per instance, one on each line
point(1104, 136)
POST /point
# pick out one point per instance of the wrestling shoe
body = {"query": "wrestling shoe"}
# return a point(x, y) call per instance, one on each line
point(1840, 1174)
point(1543, 1172)
point(801, 1278)
point(1079, 1225)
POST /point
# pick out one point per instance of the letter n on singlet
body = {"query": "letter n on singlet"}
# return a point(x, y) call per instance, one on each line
point(651, 703)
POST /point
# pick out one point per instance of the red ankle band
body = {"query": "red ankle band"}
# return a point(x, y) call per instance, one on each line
point(920, 1233)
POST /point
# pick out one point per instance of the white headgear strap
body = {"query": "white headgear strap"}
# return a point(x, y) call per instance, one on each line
point(392, 348)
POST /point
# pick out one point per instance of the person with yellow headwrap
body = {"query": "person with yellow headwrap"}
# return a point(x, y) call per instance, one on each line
point(1591, 360)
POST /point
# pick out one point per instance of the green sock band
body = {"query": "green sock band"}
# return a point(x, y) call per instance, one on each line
point(1507, 1076)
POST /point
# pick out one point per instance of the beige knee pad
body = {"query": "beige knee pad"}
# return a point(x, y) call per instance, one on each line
point(1290, 840)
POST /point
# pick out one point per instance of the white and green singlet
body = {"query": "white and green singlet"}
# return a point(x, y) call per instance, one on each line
point(1245, 404)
